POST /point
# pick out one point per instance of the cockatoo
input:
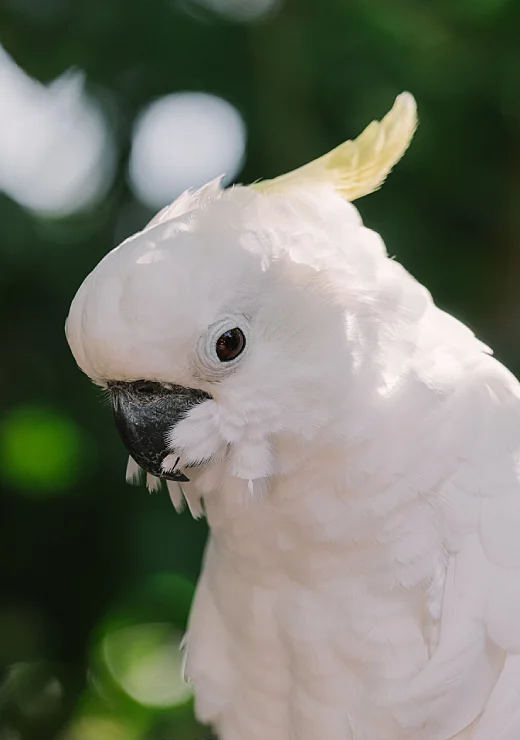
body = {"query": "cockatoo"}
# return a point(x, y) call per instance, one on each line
point(356, 452)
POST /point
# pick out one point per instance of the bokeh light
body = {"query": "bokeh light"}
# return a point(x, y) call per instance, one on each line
point(33, 688)
point(145, 661)
point(56, 153)
point(99, 727)
point(182, 141)
point(240, 10)
point(41, 451)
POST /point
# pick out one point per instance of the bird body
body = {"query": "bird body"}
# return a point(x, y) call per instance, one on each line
point(354, 448)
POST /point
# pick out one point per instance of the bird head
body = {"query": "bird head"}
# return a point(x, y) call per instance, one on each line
point(232, 324)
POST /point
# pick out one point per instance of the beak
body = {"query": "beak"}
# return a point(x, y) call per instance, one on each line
point(145, 412)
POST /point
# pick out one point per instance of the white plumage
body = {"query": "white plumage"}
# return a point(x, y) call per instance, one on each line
point(362, 576)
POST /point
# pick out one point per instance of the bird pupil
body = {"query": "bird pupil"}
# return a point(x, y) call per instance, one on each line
point(230, 345)
point(231, 339)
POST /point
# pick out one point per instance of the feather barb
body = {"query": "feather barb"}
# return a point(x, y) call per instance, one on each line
point(357, 168)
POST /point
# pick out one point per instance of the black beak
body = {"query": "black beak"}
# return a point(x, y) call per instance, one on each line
point(144, 413)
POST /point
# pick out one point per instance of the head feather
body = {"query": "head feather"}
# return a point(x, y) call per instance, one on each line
point(357, 168)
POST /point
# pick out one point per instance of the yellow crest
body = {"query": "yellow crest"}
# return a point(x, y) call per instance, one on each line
point(357, 168)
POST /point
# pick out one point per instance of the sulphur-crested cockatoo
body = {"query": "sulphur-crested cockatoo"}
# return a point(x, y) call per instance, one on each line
point(355, 450)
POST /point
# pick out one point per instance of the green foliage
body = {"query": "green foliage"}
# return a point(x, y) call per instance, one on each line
point(41, 452)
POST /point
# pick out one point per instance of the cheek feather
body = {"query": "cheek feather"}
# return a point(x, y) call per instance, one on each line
point(251, 459)
point(196, 437)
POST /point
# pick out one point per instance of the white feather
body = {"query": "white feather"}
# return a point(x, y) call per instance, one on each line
point(369, 589)
point(153, 483)
point(133, 472)
point(194, 500)
point(176, 495)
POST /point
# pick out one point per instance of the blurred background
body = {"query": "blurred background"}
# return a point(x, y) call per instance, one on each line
point(108, 110)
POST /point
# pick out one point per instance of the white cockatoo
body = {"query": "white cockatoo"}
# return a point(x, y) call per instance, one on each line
point(356, 452)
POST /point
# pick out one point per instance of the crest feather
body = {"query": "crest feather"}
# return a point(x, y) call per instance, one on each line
point(357, 168)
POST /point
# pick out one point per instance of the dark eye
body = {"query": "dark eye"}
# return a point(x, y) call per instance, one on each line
point(230, 345)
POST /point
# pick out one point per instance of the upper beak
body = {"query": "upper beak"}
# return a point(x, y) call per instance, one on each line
point(145, 412)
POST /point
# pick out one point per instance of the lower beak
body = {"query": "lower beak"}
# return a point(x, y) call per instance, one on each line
point(145, 413)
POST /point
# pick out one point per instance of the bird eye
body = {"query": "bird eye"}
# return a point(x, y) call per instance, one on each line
point(230, 345)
